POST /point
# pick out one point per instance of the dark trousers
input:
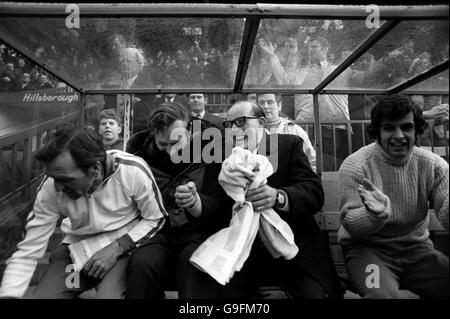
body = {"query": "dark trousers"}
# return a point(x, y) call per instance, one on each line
point(417, 267)
point(57, 283)
point(161, 263)
point(261, 268)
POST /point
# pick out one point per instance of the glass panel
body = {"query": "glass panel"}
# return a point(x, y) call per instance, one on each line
point(135, 52)
point(29, 96)
point(289, 52)
point(411, 48)
point(32, 104)
point(437, 82)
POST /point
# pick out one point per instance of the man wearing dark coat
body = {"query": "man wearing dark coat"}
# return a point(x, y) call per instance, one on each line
point(295, 192)
point(196, 103)
point(197, 207)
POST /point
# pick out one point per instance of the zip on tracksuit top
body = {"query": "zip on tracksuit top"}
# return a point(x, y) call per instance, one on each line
point(128, 192)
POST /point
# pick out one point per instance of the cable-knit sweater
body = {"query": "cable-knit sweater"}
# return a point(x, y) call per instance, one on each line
point(410, 183)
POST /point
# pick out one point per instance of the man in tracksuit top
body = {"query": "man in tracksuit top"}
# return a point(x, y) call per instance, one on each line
point(97, 192)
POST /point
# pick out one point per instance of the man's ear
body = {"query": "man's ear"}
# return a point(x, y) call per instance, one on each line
point(119, 130)
point(280, 106)
point(262, 121)
point(96, 169)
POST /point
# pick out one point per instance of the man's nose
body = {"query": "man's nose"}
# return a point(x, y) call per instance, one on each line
point(398, 133)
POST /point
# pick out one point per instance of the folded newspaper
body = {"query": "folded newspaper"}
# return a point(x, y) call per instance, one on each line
point(225, 252)
point(83, 250)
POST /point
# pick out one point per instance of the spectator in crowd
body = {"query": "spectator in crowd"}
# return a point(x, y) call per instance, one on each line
point(122, 199)
point(420, 64)
point(259, 70)
point(109, 127)
point(196, 103)
point(9, 81)
point(333, 107)
point(436, 115)
point(197, 207)
point(21, 67)
point(271, 105)
point(386, 188)
point(295, 193)
point(288, 54)
point(25, 82)
point(131, 63)
point(44, 82)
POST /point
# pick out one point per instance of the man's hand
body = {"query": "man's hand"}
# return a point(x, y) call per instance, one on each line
point(102, 261)
point(186, 195)
point(265, 47)
point(438, 113)
point(262, 198)
point(374, 199)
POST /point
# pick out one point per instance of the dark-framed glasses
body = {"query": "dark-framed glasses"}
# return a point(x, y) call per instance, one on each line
point(240, 121)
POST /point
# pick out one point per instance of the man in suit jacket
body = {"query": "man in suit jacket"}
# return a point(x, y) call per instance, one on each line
point(295, 192)
point(197, 102)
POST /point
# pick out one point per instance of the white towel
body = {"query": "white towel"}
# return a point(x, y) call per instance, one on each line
point(83, 250)
point(227, 250)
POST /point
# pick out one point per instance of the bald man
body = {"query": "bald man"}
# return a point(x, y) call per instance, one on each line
point(293, 191)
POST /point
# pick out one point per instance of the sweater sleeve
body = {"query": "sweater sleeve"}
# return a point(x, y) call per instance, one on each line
point(149, 202)
point(41, 223)
point(439, 194)
point(355, 218)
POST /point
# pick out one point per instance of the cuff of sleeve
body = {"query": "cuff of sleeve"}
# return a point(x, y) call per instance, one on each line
point(285, 207)
point(196, 210)
point(387, 211)
point(126, 243)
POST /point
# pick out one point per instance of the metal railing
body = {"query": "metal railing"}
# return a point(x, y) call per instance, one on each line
point(17, 156)
point(20, 175)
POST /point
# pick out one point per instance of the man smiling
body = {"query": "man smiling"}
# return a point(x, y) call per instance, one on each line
point(386, 188)
point(295, 193)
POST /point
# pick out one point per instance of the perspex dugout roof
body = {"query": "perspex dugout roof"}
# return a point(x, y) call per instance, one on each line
point(227, 48)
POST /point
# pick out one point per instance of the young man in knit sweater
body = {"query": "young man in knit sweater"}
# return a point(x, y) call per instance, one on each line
point(386, 188)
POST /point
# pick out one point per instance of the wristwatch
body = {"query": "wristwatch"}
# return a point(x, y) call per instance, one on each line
point(281, 200)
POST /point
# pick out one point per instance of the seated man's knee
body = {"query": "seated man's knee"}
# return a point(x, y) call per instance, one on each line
point(142, 260)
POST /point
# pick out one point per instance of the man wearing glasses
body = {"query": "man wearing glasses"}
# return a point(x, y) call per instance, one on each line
point(294, 191)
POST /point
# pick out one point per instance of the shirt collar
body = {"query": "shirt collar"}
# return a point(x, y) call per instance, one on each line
point(199, 115)
point(109, 168)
